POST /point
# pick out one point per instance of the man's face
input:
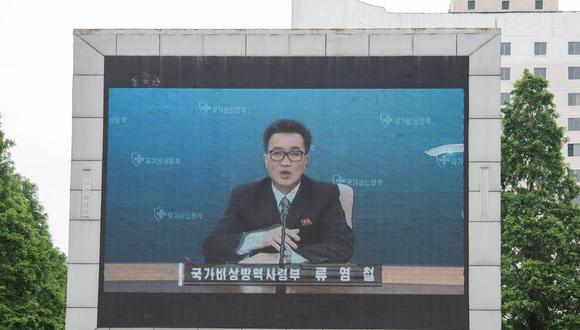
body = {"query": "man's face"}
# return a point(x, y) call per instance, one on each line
point(286, 173)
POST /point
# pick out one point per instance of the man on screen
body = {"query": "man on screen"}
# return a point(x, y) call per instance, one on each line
point(251, 229)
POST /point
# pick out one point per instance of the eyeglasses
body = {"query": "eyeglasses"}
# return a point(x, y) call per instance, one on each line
point(293, 156)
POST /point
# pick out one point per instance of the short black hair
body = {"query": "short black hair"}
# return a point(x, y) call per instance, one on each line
point(287, 126)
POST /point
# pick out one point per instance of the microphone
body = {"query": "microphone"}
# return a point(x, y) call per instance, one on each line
point(283, 243)
point(285, 206)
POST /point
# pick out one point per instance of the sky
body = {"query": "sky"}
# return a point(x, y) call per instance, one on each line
point(36, 70)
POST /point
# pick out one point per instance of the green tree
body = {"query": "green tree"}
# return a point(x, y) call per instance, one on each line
point(32, 270)
point(540, 222)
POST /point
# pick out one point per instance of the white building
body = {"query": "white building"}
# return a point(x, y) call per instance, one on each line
point(534, 36)
point(490, 6)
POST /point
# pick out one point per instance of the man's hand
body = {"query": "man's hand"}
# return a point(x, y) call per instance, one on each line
point(273, 237)
point(262, 258)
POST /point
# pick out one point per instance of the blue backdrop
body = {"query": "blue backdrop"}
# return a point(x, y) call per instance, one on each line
point(175, 154)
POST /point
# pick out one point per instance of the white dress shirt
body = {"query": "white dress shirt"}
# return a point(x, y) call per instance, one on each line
point(290, 196)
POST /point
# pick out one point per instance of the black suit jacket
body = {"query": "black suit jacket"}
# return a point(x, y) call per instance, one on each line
point(252, 206)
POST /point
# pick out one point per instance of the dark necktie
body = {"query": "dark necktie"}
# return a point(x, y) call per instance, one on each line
point(284, 207)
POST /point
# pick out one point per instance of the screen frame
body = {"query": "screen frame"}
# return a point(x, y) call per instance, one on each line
point(272, 311)
point(91, 46)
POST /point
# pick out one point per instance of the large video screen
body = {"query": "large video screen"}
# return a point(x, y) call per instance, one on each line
point(369, 154)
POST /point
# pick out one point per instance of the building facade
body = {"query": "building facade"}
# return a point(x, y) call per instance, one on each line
point(544, 41)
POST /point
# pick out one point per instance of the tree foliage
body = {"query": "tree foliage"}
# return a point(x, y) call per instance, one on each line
point(540, 222)
point(32, 270)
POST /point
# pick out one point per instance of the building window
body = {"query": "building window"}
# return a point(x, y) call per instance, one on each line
point(573, 149)
point(574, 48)
point(574, 124)
point(505, 73)
point(574, 99)
point(540, 48)
point(505, 98)
point(574, 72)
point(539, 4)
point(540, 72)
point(471, 4)
point(505, 5)
point(506, 48)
